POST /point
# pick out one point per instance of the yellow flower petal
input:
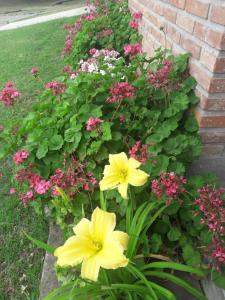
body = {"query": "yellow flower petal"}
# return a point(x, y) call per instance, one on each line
point(137, 177)
point(109, 182)
point(118, 160)
point(122, 188)
point(74, 251)
point(102, 224)
point(121, 237)
point(82, 228)
point(90, 269)
point(133, 163)
point(111, 256)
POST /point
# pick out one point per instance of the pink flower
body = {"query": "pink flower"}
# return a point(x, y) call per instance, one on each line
point(140, 152)
point(92, 51)
point(26, 197)
point(159, 78)
point(34, 71)
point(73, 75)
point(93, 123)
point(104, 33)
point(120, 91)
point(132, 49)
point(42, 186)
point(89, 17)
point(137, 15)
point(9, 95)
point(56, 87)
point(133, 24)
point(122, 118)
point(170, 185)
point(12, 191)
point(20, 156)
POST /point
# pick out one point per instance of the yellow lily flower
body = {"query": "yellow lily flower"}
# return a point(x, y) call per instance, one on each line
point(95, 244)
point(121, 172)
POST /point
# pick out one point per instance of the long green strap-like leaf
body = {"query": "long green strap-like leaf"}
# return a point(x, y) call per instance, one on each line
point(178, 281)
point(41, 244)
point(173, 266)
point(134, 271)
point(61, 289)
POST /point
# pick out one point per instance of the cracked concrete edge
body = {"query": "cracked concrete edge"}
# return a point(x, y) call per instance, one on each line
point(41, 19)
point(48, 278)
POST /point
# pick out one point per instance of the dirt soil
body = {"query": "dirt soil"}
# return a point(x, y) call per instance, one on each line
point(15, 10)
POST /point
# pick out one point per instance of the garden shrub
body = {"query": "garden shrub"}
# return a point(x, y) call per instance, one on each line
point(111, 99)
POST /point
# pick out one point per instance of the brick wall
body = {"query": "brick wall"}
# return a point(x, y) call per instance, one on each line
point(196, 26)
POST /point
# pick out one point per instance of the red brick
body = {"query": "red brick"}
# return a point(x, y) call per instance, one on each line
point(210, 102)
point(170, 15)
point(200, 30)
point(197, 8)
point(200, 75)
point(218, 14)
point(185, 22)
point(212, 63)
point(212, 121)
point(173, 33)
point(210, 149)
point(213, 136)
point(215, 38)
point(190, 46)
point(178, 3)
point(217, 85)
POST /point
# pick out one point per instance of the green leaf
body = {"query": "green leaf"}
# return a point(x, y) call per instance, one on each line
point(106, 131)
point(191, 256)
point(179, 103)
point(163, 131)
point(174, 234)
point(56, 142)
point(191, 124)
point(42, 149)
point(94, 147)
point(219, 279)
point(156, 242)
point(41, 244)
point(172, 208)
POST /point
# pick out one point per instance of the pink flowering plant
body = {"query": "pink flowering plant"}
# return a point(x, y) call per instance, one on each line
point(111, 98)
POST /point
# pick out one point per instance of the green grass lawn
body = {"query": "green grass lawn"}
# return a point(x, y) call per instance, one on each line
point(20, 261)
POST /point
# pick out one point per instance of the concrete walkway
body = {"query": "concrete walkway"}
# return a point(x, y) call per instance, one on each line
point(42, 19)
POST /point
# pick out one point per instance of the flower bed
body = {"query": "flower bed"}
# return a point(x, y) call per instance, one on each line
point(112, 100)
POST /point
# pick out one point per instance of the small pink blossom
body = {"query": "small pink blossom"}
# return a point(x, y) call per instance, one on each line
point(170, 185)
point(159, 78)
point(42, 186)
point(34, 71)
point(92, 51)
point(9, 94)
point(132, 49)
point(20, 156)
point(140, 152)
point(137, 15)
point(120, 91)
point(134, 24)
point(104, 33)
point(93, 123)
point(56, 87)
point(26, 197)
point(122, 118)
point(12, 191)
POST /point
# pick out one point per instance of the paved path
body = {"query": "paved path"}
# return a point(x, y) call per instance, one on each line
point(41, 19)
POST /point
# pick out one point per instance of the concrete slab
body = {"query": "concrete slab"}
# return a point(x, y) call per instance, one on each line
point(48, 279)
point(42, 19)
point(15, 10)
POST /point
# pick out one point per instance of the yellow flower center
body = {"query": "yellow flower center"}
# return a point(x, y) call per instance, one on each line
point(97, 245)
point(123, 174)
